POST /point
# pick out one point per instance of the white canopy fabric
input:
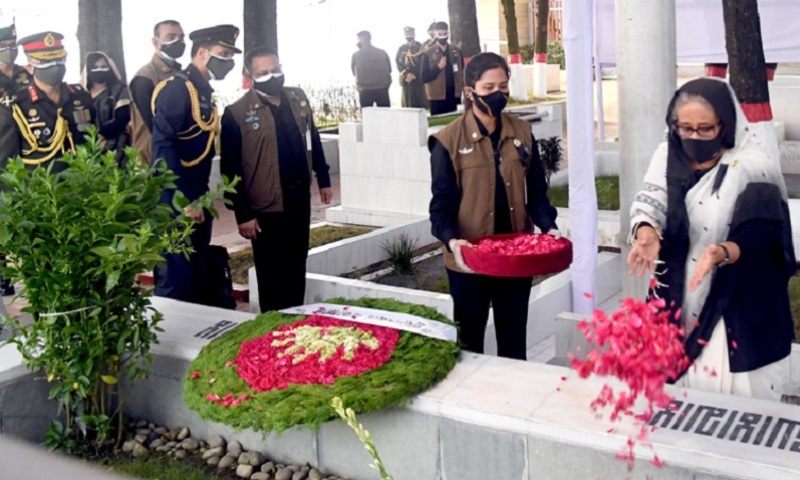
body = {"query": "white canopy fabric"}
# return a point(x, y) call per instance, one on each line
point(578, 22)
point(700, 34)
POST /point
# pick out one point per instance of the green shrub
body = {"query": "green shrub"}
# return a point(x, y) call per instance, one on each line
point(551, 153)
point(77, 239)
point(555, 54)
point(401, 252)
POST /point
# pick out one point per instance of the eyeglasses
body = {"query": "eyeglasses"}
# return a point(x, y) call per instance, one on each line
point(703, 131)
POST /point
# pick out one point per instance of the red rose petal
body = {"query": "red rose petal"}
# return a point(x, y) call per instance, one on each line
point(195, 375)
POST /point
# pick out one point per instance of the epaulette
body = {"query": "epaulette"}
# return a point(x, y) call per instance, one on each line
point(33, 93)
point(8, 99)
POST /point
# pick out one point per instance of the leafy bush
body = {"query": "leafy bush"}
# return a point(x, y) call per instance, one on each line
point(401, 252)
point(555, 54)
point(77, 239)
point(551, 154)
point(333, 104)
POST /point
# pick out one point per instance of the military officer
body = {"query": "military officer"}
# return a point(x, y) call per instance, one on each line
point(169, 47)
point(185, 125)
point(442, 72)
point(48, 117)
point(12, 76)
point(431, 41)
point(408, 64)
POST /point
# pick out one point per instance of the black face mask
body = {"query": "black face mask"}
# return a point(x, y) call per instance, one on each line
point(491, 104)
point(702, 151)
point(358, 45)
point(219, 67)
point(51, 75)
point(442, 41)
point(409, 39)
point(100, 76)
point(174, 50)
point(271, 87)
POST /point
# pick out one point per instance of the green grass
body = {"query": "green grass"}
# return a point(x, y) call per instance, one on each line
point(242, 260)
point(435, 122)
point(607, 194)
point(160, 468)
point(794, 299)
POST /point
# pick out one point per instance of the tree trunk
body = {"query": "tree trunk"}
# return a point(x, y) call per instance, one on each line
point(260, 24)
point(542, 17)
point(464, 26)
point(748, 75)
point(100, 29)
point(511, 27)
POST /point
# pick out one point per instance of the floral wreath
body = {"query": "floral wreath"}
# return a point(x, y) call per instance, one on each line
point(278, 371)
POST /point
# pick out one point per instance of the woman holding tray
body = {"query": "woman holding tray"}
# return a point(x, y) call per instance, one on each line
point(487, 178)
point(713, 211)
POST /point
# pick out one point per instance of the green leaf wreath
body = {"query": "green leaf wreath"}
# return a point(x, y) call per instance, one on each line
point(417, 363)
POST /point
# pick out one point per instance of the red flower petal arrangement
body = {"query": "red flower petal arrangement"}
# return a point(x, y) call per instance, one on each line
point(639, 345)
point(316, 350)
point(518, 254)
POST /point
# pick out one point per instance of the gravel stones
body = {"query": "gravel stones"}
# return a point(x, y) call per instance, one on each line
point(244, 471)
point(190, 444)
point(227, 461)
point(284, 474)
point(228, 457)
point(213, 452)
point(140, 451)
point(216, 441)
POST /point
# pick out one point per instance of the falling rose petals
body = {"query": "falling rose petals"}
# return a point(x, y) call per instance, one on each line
point(588, 295)
point(734, 345)
point(641, 346)
point(702, 342)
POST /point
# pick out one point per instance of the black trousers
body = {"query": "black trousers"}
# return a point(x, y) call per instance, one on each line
point(377, 96)
point(447, 105)
point(473, 294)
point(279, 254)
point(187, 279)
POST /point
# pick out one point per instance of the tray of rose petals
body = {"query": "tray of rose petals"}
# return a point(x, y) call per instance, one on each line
point(518, 254)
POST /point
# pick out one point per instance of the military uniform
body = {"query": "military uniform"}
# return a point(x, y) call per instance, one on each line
point(19, 78)
point(443, 86)
point(32, 125)
point(185, 125)
point(409, 61)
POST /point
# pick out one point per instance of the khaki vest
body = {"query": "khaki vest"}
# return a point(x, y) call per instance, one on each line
point(474, 164)
point(158, 70)
point(436, 90)
point(260, 168)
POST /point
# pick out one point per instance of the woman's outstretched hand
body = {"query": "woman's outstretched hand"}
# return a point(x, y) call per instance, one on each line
point(644, 253)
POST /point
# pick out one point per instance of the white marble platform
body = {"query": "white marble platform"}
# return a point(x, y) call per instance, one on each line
point(490, 418)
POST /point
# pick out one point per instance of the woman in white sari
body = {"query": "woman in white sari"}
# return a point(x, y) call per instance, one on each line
point(712, 222)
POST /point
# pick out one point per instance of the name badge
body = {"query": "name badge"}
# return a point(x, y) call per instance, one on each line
point(455, 67)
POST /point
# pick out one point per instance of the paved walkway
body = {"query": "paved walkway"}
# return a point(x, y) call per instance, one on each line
point(226, 233)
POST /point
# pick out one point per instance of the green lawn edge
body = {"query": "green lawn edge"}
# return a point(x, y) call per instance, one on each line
point(417, 364)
